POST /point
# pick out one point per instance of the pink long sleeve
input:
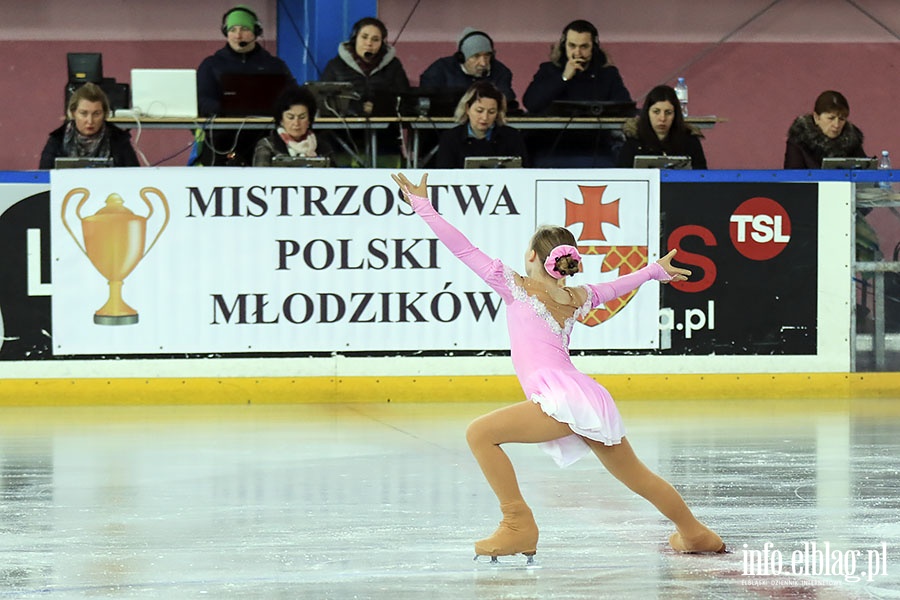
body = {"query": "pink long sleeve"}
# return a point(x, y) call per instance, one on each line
point(488, 269)
point(603, 292)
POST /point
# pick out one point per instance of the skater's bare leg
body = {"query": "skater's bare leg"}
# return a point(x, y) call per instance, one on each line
point(524, 422)
point(621, 461)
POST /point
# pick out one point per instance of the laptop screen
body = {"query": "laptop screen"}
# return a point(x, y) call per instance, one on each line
point(300, 161)
point(81, 162)
point(492, 162)
point(251, 94)
point(647, 161)
point(164, 93)
point(849, 163)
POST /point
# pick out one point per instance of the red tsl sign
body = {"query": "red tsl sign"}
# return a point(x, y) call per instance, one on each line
point(760, 228)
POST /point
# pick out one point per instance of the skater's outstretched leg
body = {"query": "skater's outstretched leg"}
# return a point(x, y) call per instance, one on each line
point(691, 534)
point(524, 422)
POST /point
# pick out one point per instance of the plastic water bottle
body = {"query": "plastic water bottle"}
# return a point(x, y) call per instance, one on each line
point(681, 92)
point(885, 164)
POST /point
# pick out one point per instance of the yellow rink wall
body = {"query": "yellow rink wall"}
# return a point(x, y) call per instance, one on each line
point(302, 390)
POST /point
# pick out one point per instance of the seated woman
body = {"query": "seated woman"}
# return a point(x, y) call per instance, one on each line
point(294, 113)
point(368, 62)
point(481, 113)
point(660, 130)
point(86, 132)
point(825, 133)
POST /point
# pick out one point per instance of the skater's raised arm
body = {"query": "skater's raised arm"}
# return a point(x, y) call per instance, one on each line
point(484, 266)
point(662, 270)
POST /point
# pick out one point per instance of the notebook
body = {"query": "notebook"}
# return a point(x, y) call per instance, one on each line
point(164, 93)
point(492, 162)
point(646, 161)
point(251, 94)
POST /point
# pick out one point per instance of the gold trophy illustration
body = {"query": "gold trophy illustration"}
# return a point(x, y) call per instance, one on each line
point(114, 239)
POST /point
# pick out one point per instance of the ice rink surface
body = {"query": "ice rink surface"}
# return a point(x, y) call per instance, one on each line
point(384, 501)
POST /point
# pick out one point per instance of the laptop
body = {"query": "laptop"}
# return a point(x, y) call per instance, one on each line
point(850, 163)
point(492, 162)
point(644, 161)
point(282, 160)
point(251, 94)
point(164, 93)
point(81, 162)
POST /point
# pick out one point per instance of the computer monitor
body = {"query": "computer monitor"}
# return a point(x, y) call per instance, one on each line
point(251, 94)
point(284, 160)
point(85, 67)
point(643, 161)
point(492, 162)
point(430, 102)
point(82, 162)
point(591, 108)
point(332, 97)
point(850, 163)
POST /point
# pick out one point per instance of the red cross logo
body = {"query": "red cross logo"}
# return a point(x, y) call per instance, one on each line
point(592, 212)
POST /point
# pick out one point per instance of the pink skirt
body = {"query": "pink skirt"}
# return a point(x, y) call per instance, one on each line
point(573, 398)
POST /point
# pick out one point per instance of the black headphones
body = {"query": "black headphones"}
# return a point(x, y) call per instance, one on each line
point(459, 53)
point(579, 26)
point(257, 28)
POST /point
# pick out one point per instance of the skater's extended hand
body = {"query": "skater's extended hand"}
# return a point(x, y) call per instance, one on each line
point(675, 273)
point(408, 188)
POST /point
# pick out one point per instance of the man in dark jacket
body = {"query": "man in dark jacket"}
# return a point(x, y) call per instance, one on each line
point(578, 70)
point(241, 54)
point(474, 60)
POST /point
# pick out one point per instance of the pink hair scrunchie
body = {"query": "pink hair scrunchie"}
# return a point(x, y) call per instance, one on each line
point(556, 254)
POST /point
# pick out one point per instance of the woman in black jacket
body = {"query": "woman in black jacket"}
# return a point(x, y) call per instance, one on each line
point(660, 130)
point(483, 130)
point(824, 133)
point(86, 132)
point(294, 114)
point(368, 62)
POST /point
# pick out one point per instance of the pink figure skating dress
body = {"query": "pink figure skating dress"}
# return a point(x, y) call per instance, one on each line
point(539, 346)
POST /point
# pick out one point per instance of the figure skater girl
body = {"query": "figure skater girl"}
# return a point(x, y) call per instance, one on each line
point(566, 411)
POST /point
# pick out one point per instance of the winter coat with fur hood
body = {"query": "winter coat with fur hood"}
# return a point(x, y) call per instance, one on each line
point(685, 144)
point(807, 145)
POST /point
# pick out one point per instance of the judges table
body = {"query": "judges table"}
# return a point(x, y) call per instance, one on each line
point(370, 126)
point(373, 125)
point(419, 124)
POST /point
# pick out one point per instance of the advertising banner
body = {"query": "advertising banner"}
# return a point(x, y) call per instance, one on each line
point(753, 251)
point(25, 330)
point(229, 261)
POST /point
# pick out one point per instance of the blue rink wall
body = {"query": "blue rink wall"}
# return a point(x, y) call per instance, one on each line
point(233, 246)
